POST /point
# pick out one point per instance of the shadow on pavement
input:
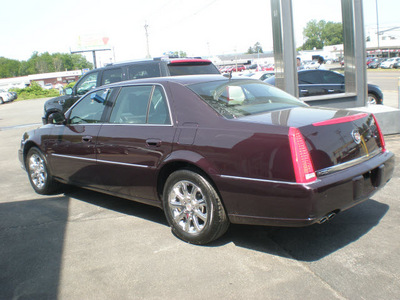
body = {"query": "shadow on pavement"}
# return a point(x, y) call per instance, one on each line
point(304, 243)
point(121, 205)
point(32, 239)
point(313, 242)
point(32, 235)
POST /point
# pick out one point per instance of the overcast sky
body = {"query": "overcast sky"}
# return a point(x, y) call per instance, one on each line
point(199, 28)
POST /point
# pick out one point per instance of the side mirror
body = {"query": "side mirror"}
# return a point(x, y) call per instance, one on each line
point(68, 91)
point(57, 118)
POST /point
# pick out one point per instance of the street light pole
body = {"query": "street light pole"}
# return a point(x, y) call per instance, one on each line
point(377, 22)
point(147, 40)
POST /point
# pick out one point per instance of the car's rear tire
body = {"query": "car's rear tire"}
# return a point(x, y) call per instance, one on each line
point(1, 100)
point(38, 172)
point(193, 208)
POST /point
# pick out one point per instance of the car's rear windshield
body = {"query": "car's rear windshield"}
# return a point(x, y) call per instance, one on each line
point(238, 98)
point(192, 68)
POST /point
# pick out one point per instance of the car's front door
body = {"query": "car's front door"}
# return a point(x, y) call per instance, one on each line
point(309, 83)
point(332, 82)
point(132, 144)
point(72, 146)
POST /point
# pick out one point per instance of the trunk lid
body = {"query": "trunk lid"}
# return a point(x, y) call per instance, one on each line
point(342, 140)
point(335, 138)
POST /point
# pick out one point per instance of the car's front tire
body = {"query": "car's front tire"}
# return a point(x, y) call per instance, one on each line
point(38, 172)
point(193, 208)
point(373, 99)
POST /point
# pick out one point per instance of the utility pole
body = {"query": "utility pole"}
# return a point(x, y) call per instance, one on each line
point(147, 39)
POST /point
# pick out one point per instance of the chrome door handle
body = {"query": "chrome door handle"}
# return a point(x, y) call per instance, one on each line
point(153, 142)
point(87, 139)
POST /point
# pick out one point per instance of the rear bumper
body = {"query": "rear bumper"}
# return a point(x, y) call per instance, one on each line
point(274, 203)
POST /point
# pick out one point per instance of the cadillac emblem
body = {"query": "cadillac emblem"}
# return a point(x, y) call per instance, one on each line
point(356, 136)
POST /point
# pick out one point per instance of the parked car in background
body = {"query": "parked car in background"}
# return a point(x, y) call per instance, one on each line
point(239, 68)
point(374, 63)
point(260, 75)
point(156, 67)
point(210, 151)
point(397, 65)
point(325, 82)
point(311, 65)
point(14, 95)
point(389, 64)
point(5, 96)
point(48, 86)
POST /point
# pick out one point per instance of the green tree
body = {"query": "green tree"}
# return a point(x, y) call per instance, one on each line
point(322, 33)
point(179, 54)
point(43, 63)
point(255, 49)
point(9, 67)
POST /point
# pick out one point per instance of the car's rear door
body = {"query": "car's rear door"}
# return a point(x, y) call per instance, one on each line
point(131, 146)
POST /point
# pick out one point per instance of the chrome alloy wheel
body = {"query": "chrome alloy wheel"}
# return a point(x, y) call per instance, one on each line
point(37, 171)
point(188, 206)
point(371, 99)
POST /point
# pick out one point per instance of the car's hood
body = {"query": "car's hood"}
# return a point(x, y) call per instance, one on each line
point(56, 101)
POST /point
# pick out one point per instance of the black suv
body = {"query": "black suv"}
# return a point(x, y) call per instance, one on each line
point(156, 67)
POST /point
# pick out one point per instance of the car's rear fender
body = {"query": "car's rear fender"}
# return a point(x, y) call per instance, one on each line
point(184, 159)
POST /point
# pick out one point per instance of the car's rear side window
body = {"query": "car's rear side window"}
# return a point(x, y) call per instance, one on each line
point(143, 104)
point(112, 75)
point(138, 71)
point(192, 69)
point(238, 98)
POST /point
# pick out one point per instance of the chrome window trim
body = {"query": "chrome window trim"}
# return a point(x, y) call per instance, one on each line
point(146, 125)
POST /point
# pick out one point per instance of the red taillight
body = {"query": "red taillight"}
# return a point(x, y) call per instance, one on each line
point(380, 134)
point(195, 61)
point(302, 164)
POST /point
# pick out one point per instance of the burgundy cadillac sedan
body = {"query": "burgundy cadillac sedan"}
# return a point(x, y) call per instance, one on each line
point(210, 151)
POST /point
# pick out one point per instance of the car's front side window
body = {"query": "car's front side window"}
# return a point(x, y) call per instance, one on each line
point(330, 77)
point(87, 83)
point(307, 77)
point(90, 108)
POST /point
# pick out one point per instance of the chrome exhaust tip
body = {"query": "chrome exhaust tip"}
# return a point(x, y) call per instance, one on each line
point(326, 218)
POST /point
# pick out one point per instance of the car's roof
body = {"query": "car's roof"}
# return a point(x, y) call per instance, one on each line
point(183, 80)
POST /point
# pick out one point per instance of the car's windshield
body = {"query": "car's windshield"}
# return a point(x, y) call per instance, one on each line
point(238, 98)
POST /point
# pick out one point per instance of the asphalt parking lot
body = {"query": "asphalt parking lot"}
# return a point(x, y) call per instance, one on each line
point(85, 245)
